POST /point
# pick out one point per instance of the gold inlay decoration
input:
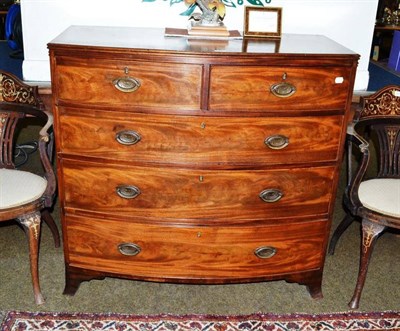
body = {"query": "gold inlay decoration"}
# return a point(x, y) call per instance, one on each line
point(31, 221)
point(392, 133)
point(3, 117)
point(11, 91)
point(368, 238)
point(387, 104)
point(370, 231)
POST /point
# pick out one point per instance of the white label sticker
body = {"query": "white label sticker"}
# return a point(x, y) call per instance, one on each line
point(396, 93)
point(339, 80)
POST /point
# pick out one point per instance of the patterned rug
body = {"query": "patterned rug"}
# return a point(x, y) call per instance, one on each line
point(389, 320)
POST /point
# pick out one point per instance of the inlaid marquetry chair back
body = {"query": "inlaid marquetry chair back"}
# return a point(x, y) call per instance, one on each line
point(26, 196)
point(380, 113)
point(373, 189)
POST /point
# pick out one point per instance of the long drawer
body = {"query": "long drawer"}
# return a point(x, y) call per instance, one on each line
point(234, 88)
point(170, 193)
point(129, 84)
point(167, 252)
point(199, 140)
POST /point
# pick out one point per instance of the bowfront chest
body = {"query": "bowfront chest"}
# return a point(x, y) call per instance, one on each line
point(198, 162)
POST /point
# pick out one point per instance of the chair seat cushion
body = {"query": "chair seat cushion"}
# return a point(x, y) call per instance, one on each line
point(381, 195)
point(19, 187)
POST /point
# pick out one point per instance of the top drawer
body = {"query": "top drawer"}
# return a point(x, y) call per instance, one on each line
point(129, 84)
point(250, 88)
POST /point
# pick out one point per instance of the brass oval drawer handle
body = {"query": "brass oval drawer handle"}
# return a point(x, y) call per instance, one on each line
point(271, 195)
point(277, 141)
point(127, 137)
point(126, 84)
point(127, 191)
point(129, 249)
point(265, 252)
point(283, 89)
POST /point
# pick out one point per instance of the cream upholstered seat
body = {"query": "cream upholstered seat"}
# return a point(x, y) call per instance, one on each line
point(381, 195)
point(373, 192)
point(24, 196)
point(19, 187)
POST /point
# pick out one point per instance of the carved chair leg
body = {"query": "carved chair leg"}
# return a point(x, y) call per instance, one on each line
point(370, 233)
point(31, 225)
point(342, 227)
point(52, 225)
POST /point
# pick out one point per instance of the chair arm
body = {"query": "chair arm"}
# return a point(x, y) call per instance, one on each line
point(44, 139)
point(44, 132)
point(355, 180)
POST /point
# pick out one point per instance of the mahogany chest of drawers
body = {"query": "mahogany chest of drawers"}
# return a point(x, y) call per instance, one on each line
point(195, 161)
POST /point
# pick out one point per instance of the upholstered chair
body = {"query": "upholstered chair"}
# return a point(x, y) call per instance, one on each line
point(373, 191)
point(25, 196)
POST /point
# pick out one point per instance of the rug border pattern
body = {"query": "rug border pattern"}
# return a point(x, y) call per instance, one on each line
point(16, 320)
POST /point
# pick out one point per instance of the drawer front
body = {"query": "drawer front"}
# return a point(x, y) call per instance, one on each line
point(196, 194)
point(200, 140)
point(151, 251)
point(236, 88)
point(162, 86)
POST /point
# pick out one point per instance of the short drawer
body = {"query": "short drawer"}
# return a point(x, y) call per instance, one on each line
point(129, 84)
point(164, 193)
point(217, 141)
point(153, 251)
point(235, 88)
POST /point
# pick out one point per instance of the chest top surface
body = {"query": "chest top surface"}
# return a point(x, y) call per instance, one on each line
point(154, 39)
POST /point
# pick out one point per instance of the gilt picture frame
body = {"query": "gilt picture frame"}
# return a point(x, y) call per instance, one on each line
point(262, 22)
